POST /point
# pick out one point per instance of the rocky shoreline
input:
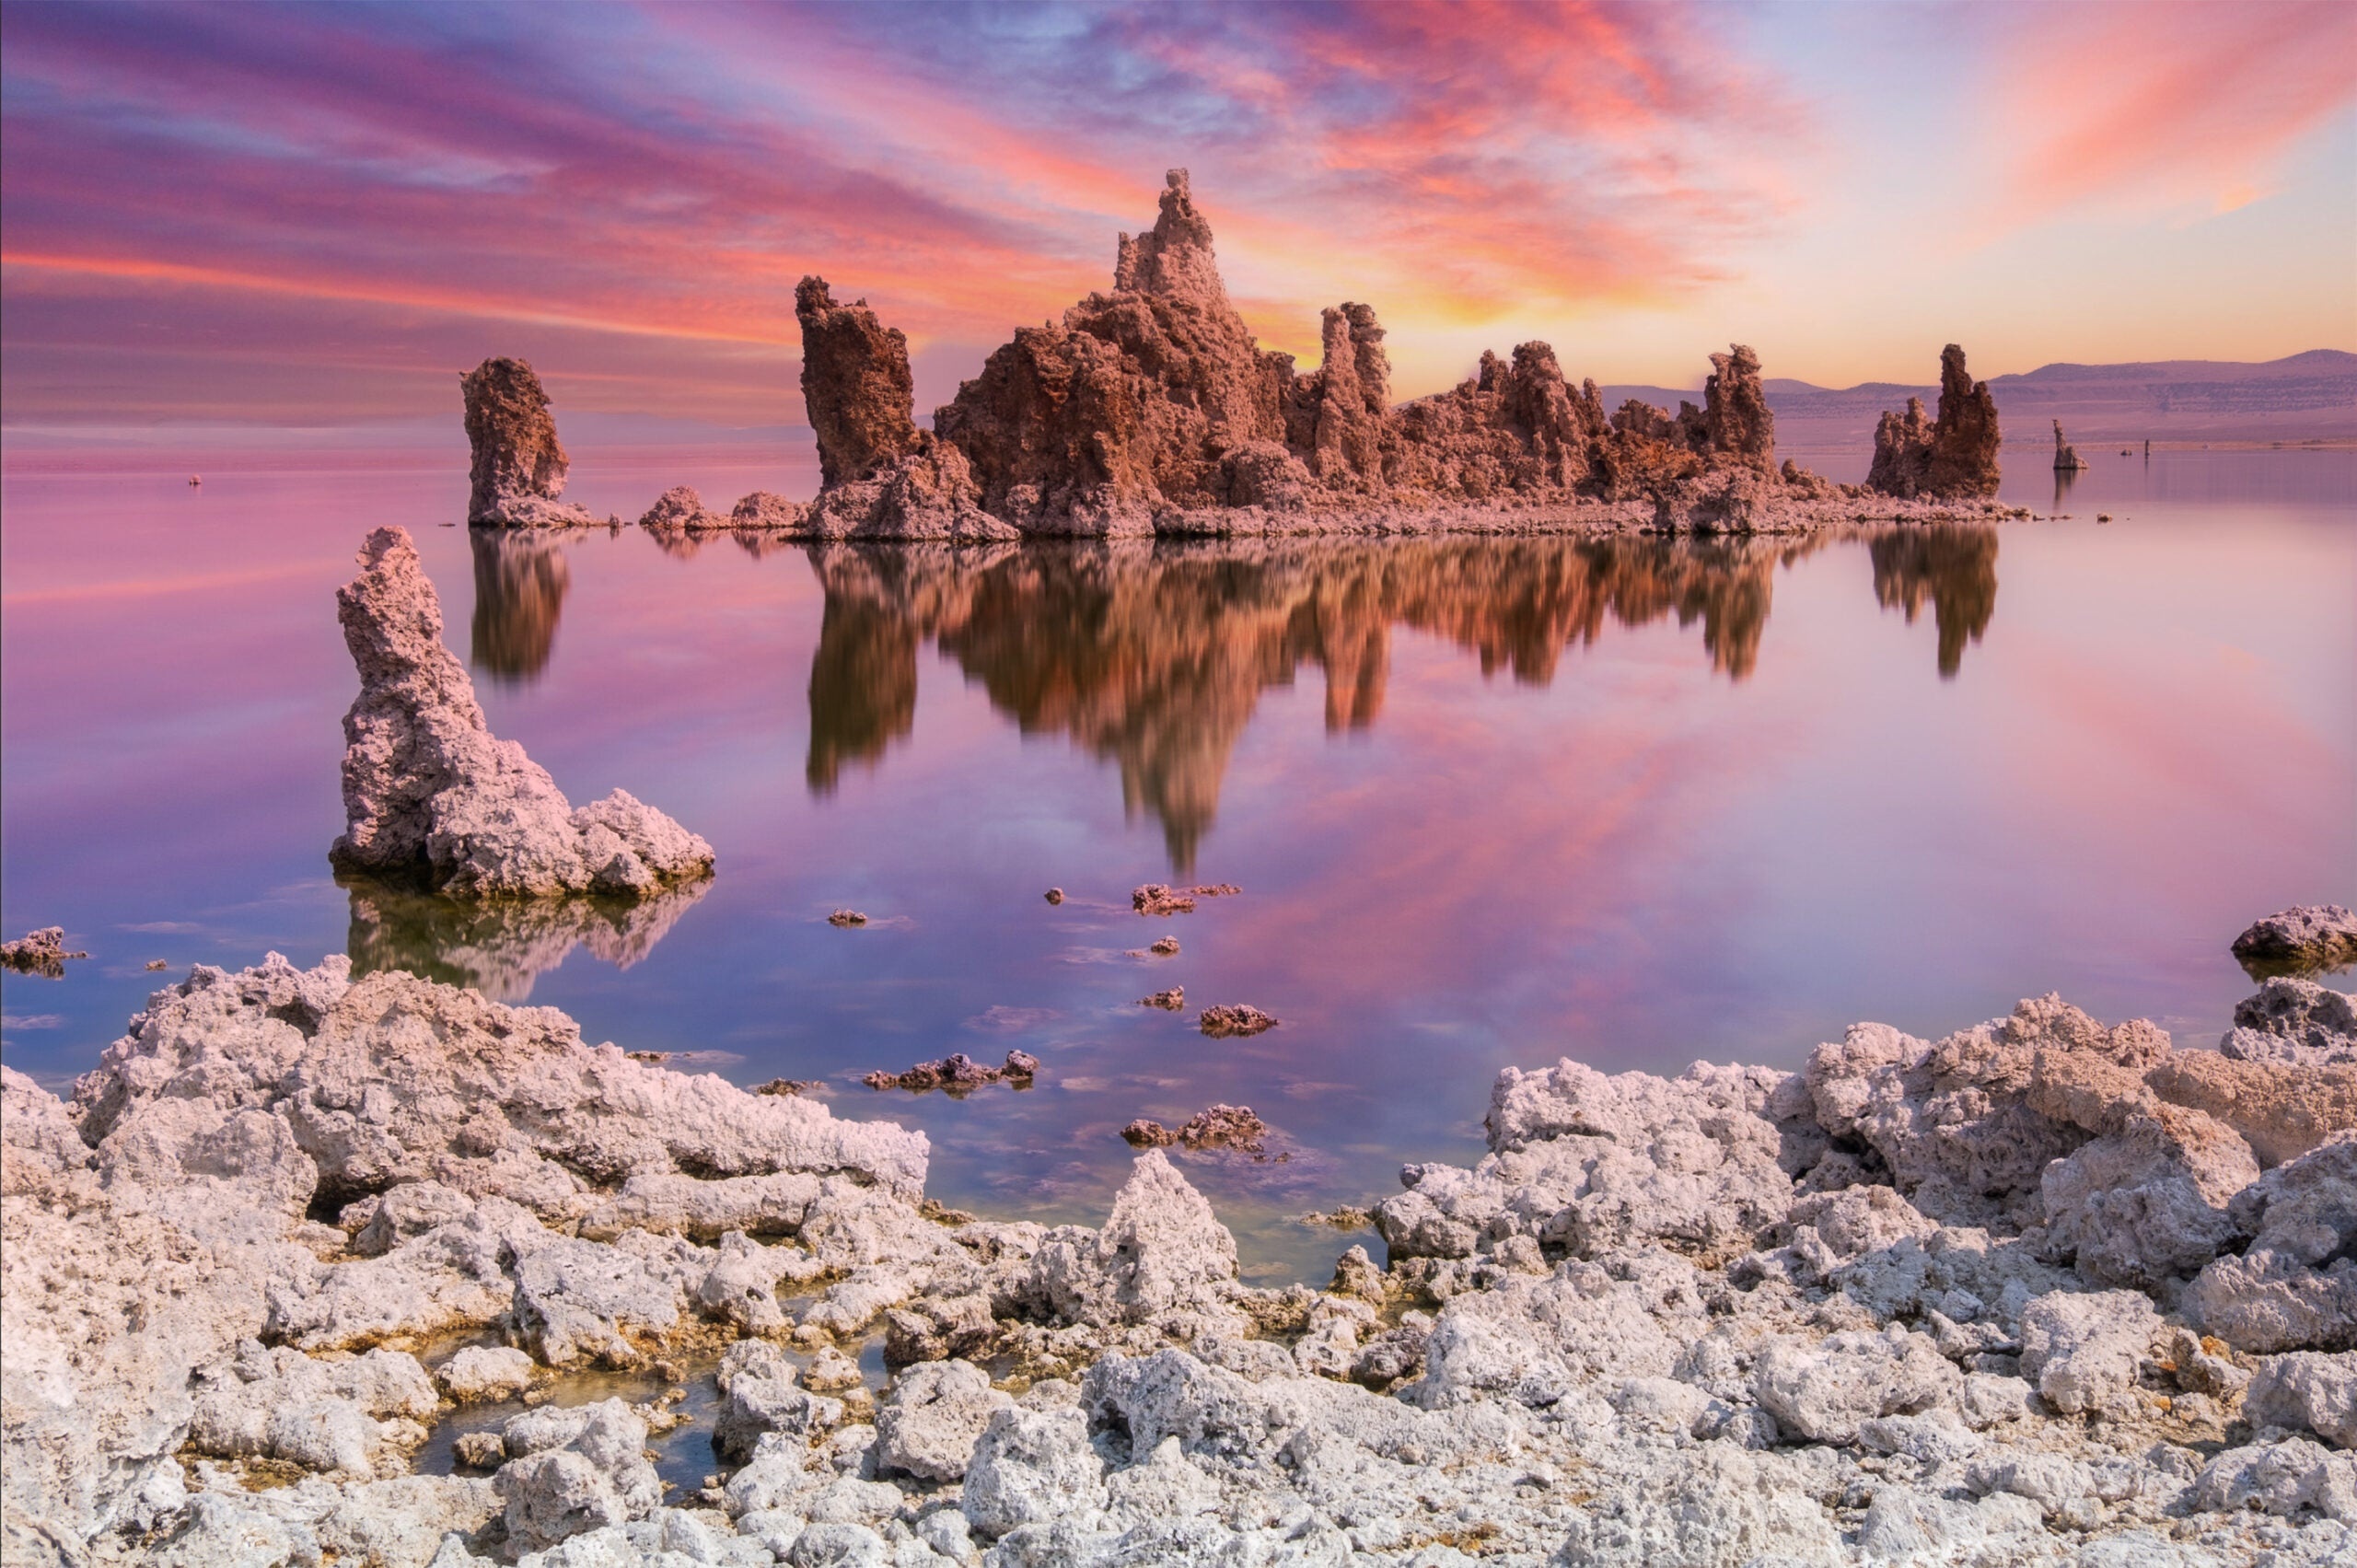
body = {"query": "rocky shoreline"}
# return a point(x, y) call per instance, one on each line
point(2043, 1291)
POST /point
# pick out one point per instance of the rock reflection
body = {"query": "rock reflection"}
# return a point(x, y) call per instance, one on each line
point(1954, 566)
point(502, 947)
point(1153, 656)
point(520, 582)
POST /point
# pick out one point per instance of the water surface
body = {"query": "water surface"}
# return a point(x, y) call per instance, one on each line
point(1634, 801)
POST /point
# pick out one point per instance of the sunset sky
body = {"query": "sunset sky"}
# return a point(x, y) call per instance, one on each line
point(290, 215)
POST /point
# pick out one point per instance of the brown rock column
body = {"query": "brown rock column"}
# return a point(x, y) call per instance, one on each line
point(517, 454)
point(855, 383)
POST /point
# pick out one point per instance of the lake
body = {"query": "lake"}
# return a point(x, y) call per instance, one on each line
point(1635, 801)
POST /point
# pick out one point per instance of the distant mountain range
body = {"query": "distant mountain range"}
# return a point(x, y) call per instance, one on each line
point(2310, 395)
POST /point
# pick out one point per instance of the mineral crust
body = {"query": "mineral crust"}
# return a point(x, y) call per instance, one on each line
point(2044, 1292)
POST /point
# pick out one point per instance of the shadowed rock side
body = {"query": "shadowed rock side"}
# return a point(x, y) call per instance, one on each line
point(1951, 457)
point(432, 796)
point(1152, 409)
point(518, 465)
point(2312, 936)
point(501, 947)
point(2043, 1293)
point(1952, 565)
point(520, 584)
point(1156, 658)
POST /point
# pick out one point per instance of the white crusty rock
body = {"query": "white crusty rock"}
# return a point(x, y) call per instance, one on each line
point(351, 1416)
point(431, 794)
point(576, 1469)
point(936, 1414)
point(2294, 1021)
point(2306, 1391)
point(1162, 1251)
point(2294, 1286)
point(481, 1373)
point(2083, 1352)
point(1824, 1390)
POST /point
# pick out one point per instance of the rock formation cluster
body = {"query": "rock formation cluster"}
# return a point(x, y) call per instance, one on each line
point(432, 796)
point(1953, 457)
point(2044, 1292)
point(518, 465)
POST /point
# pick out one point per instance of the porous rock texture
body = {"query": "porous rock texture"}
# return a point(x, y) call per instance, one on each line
point(42, 952)
point(1737, 1316)
point(1953, 457)
point(1152, 409)
point(2311, 936)
point(432, 796)
point(518, 466)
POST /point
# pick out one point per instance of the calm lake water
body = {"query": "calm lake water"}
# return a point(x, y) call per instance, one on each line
point(1637, 802)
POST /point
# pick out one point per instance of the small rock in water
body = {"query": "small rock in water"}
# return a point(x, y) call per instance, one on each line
point(653, 1056)
point(957, 1073)
point(787, 1086)
point(846, 918)
point(1160, 898)
point(1221, 1127)
point(1166, 948)
point(1171, 1001)
point(1235, 1019)
point(1344, 1217)
point(1055, 895)
point(480, 1451)
point(158, 964)
point(2311, 936)
point(39, 952)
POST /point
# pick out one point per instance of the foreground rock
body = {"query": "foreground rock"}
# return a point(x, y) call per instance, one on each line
point(1152, 409)
point(517, 473)
point(42, 952)
point(2312, 936)
point(2042, 1291)
point(432, 796)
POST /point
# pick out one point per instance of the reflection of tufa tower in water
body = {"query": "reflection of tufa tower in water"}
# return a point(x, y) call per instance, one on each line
point(520, 584)
point(1156, 658)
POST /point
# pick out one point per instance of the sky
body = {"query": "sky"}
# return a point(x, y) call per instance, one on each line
point(287, 215)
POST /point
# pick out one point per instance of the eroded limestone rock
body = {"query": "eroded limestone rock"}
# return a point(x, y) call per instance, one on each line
point(431, 794)
point(1953, 456)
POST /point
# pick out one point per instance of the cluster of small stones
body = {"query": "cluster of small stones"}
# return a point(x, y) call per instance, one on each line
point(432, 799)
point(1160, 898)
point(958, 1074)
point(1151, 409)
point(2042, 1291)
point(1220, 1127)
point(41, 952)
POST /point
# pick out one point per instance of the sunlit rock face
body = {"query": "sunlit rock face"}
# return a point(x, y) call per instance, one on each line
point(1152, 409)
point(518, 466)
point(1951, 456)
point(432, 796)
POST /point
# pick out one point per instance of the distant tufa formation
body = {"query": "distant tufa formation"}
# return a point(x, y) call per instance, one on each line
point(1151, 409)
point(1953, 457)
point(432, 796)
point(518, 469)
point(2066, 456)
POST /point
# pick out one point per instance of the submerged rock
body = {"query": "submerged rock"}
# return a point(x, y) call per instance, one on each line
point(1235, 1019)
point(958, 1074)
point(518, 466)
point(1220, 1127)
point(432, 795)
